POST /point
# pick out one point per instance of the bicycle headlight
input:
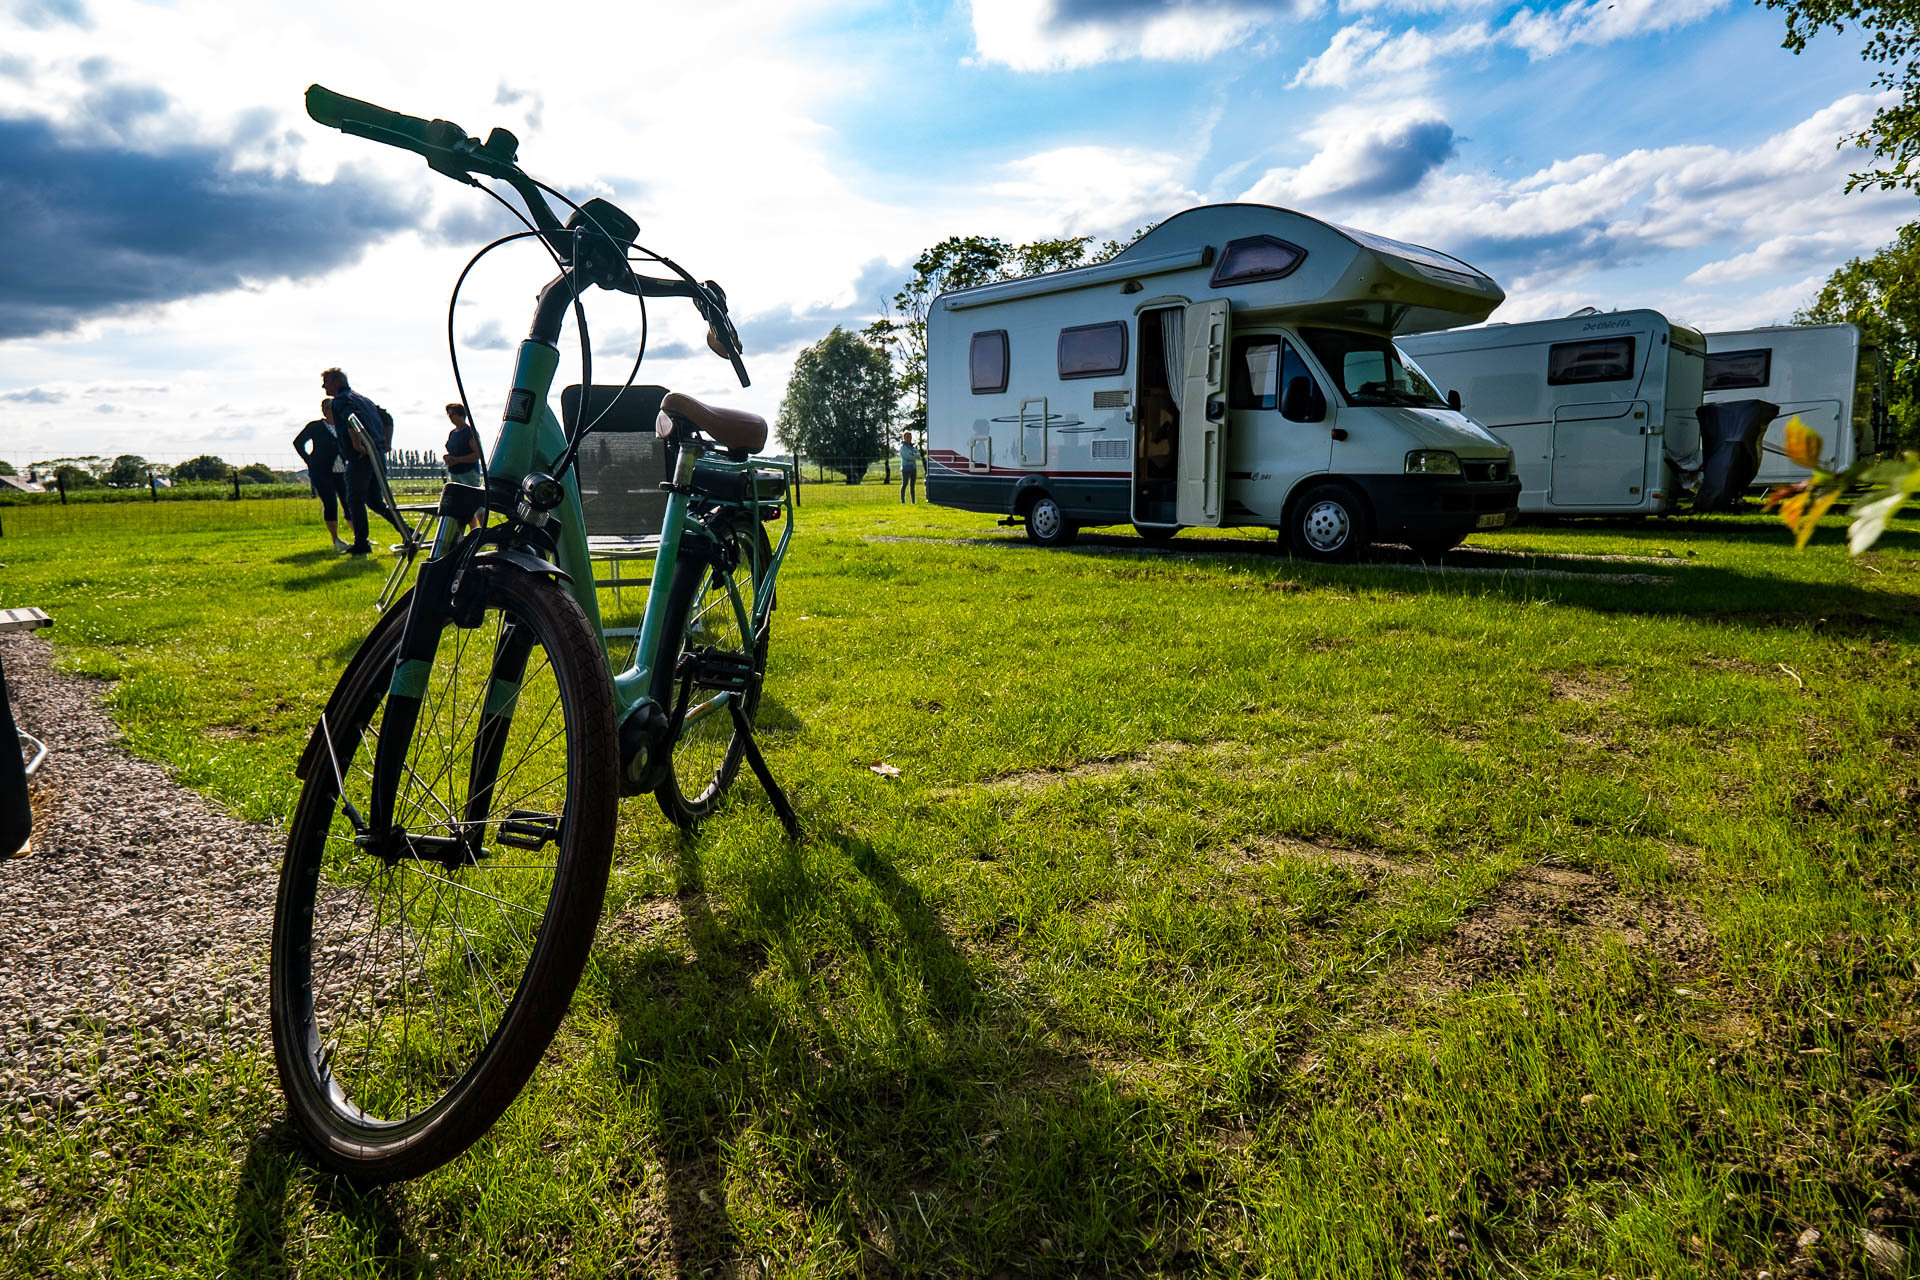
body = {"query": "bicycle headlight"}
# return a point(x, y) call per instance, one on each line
point(541, 492)
point(1433, 462)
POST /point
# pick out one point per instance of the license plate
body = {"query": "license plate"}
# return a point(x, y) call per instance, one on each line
point(1492, 520)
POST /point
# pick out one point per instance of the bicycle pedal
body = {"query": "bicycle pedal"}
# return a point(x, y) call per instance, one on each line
point(528, 829)
point(722, 669)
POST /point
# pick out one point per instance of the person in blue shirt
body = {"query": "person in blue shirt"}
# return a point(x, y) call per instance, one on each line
point(463, 451)
point(361, 491)
point(909, 468)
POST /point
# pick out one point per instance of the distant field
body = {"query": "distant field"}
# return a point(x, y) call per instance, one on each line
point(1546, 913)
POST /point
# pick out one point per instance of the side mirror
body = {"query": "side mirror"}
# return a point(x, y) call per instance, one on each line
point(1453, 401)
point(1296, 402)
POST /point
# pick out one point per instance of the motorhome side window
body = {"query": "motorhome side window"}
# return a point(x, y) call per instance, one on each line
point(1737, 370)
point(1257, 258)
point(987, 362)
point(1092, 350)
point(1601, 360)
point(1263, 368)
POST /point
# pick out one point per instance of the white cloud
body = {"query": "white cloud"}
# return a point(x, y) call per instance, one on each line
point(1363, 153)
point(1363, 50)
point(1623, 230)
point(1088, 190)
point(1055, 35)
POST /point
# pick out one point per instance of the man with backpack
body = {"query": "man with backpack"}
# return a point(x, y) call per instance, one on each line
point(361, 474)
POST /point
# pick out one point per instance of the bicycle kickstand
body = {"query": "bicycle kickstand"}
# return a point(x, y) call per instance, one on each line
point(758, 763)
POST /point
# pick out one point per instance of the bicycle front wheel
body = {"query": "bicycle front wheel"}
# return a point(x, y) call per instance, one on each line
point(413, 993)
point(709, 749)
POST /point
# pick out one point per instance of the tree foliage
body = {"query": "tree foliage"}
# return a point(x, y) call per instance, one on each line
point(69, 476)
point(204, 467)
point(6, 468)
point(128, 470)
point(258, 473)
point(967, 262)
point(1881, 295)
point(840, 401)
point(1892, 28)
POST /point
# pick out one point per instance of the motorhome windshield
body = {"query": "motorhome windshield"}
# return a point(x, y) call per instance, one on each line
point(1370, 369)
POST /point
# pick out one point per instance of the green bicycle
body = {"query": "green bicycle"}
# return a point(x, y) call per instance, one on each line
point(446, 863)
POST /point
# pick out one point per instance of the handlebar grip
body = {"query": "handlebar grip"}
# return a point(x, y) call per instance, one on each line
point(335, 109)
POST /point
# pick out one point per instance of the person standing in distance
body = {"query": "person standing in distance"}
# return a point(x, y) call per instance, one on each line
point(909, 468)
point(463, 451)
point(319, 448)
point(360, 489)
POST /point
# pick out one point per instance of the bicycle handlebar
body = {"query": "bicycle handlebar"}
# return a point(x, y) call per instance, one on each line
point(449, 150)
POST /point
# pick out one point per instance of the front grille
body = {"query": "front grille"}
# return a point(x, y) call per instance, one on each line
point(1484, 472)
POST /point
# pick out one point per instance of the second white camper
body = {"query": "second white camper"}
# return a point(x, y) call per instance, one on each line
point(1600, 408)
point(1822, 374)
point(1234, 366)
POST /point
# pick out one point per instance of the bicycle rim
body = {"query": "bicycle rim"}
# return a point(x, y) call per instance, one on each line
point(413, 996)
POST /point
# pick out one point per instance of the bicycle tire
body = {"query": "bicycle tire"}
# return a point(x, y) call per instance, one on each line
point(517, 938)
point(706, 755)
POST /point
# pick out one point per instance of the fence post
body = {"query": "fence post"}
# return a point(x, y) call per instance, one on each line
point(236, 486)
point(153, 486)
point(60, 483)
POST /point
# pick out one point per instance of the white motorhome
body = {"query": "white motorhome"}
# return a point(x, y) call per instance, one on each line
point(1599, 407)
point(1234, 366)
point(1821, 373)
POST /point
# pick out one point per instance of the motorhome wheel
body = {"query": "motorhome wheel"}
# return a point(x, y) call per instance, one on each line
point(1434, 548)
point(1157, 534)
point(1329, 523)
point(1047, 524)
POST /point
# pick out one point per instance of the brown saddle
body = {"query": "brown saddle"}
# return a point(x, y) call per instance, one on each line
point(728, 428)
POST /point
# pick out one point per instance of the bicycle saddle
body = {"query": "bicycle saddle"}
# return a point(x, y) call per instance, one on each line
point(728, 428)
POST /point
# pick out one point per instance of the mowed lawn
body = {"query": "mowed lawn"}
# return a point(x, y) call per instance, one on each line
point(1548, 914)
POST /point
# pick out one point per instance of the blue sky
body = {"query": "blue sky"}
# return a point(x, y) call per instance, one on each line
point(185, 250)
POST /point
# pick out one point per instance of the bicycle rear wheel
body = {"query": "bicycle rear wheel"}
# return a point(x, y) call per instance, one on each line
point(413, 995)
point(707, 754)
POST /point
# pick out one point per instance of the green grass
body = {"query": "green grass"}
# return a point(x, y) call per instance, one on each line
point(1228, 915)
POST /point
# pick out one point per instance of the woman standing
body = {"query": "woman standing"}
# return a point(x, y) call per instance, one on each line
point(463, 451)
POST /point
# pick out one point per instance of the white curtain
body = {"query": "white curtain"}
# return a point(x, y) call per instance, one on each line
point(1173, 346)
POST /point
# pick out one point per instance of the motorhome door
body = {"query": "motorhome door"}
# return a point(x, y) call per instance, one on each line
point(1600, 454)
point(1203, 414)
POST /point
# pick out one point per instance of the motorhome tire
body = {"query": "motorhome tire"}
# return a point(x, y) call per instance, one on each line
point(1330, 522)
point(1047, 524)
point(1157, 534)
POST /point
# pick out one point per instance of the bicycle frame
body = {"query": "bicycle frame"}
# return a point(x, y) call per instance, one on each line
point(530, 442)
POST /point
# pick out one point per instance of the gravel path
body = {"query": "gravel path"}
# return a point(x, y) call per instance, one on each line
point(136, 930)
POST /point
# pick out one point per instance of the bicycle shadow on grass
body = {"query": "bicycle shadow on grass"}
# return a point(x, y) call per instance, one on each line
point(812, 1035)
point(275, 1162)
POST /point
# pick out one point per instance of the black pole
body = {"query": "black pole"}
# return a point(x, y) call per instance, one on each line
point(60, 483)
point(153, 486)
point(236, 486)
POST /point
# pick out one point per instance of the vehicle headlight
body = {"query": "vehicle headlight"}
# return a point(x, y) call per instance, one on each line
point(1433, 462)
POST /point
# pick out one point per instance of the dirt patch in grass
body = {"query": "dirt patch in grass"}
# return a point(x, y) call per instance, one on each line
point(1546, 908)
point(1370, 864)
point(1590, 688)
point(1158, 755)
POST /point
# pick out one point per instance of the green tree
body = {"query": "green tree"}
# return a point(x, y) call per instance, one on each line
point(204, 467)
point(967, 262)
point(69, 476)
point(1892, 28)
point(128, 470)
point(840, 400)
point(6, 468)
point(1881, 295)
point(257, 473)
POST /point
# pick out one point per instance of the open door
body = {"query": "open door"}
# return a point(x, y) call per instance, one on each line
point(1203, 414)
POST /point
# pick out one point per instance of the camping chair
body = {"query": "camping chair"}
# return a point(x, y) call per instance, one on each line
point(620, 471)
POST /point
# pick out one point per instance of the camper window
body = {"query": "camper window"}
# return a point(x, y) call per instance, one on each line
point(1370, 369)
point(1257, 258)
point(1738, 370)
point(1263, 367)
point(987, 362)
point(1093, 350)
point(1601, 360)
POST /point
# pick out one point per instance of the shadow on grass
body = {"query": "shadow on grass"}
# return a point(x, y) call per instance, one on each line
point(340, 567)
point(319, 555)
point(820, 1051)
point(275, 1162)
